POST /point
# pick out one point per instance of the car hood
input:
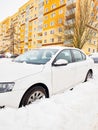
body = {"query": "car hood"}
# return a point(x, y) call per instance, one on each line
point(11, 71)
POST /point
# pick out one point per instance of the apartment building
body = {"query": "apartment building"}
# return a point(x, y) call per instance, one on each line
point(40, 23)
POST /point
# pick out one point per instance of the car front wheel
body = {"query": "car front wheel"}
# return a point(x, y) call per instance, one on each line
point(33, 94)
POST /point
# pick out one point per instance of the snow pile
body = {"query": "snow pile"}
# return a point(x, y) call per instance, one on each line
point(72, 110)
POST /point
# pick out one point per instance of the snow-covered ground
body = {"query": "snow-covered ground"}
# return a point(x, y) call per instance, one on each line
point(72, 110)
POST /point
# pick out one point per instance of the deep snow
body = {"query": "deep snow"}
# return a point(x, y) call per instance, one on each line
point(71, 110)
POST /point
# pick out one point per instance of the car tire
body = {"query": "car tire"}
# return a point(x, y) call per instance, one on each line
point(33, 94)
point(89, 75)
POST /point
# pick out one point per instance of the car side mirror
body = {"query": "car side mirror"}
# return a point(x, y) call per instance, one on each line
point(60, 62)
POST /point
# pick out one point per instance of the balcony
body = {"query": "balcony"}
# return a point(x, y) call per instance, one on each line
point(72, 16)
point(40, 30)
point(71, 11)
point(72, 6)
point(70, 22)
point(68, 42)
point(70, 2)
point(69, 32)
point(39, 38)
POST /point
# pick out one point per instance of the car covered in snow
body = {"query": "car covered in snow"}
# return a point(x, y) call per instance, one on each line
point(94, 56)
point(40, 73)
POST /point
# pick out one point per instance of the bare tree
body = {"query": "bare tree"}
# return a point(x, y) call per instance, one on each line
point(11, 38)
point(78, 25)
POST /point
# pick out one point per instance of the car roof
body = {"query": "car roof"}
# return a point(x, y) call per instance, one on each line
point(60, 48)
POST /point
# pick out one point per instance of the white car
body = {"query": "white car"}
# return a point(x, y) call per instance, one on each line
point(94, 56)
point(40, 73)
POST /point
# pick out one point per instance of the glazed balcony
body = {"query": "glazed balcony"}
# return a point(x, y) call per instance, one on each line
point(70, 2)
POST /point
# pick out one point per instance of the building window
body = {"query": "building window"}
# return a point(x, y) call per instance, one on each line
point(52, 32)
point(35, 15)
point(52, 23)
point(90, 41)
point(35, 8)
point(61, 2)
point(92, 4)
point(34, 22)
point(59, 39)
point(97, 8)
point(93, 50)
point(51, 39)
point(89, 49)
point(52, 15)
point(95, 42)
point(45, 33)
point(94, 34)
point(46, 1)
point(92, 14)
point(45, 25)
point(26, 19)
point(34, 29)
point(60, 20)
point(60, 11)
point(97, 17)
point(46, 10)
point(46, 17)
point(60, 29)
point(53, 6)
point(45, 41)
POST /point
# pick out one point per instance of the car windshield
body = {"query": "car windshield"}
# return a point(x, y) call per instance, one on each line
point(36, 56)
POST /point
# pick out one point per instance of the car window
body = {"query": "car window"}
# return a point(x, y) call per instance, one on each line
point(77, 55)
point(36, 56)
point(65, 54)
point(83, 56)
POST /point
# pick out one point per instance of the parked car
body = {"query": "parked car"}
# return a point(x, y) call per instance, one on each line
point(40, 73)
point(94, 56)
point(2, 56)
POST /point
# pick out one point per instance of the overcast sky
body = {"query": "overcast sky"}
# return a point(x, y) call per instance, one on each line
point(9, 7)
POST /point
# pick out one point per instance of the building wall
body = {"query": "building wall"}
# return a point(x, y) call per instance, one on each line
point(54, 16)
point(40, 23)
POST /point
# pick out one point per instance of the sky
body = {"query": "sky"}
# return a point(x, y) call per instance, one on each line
point(9, 7)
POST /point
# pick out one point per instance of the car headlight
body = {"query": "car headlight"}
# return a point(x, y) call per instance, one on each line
point(6, 87)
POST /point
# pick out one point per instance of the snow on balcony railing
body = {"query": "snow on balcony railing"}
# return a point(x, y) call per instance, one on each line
point(69, 2)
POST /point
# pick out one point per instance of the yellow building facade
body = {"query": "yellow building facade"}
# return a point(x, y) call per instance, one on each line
point(54, 16)
point(39, 23)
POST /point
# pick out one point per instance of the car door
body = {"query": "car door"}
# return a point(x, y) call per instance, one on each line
point(63, 75)
point(81, 65)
